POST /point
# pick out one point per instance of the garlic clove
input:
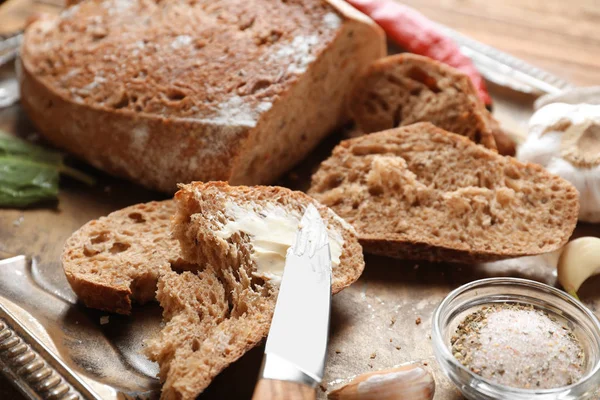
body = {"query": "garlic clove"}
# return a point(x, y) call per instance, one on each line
point(410, 382)
point(579, 260)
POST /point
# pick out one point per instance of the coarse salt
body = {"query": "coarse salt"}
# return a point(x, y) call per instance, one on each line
point(519, 346)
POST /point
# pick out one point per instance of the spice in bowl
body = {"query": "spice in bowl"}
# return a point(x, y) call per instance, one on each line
point(518, 346)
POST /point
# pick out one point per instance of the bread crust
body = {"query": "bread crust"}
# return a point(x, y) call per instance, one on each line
point(160, 150)
point(440, 197)
point(406, 88)
point(116, 260)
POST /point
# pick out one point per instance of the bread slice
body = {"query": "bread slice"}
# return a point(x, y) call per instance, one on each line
point(407, 88)
point(419, 192)
point(114, 260)
point(171, 91)
point(215, 315)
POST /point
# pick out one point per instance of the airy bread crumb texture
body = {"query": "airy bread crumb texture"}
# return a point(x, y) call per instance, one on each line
point(206, 329)
point(407, 88)
point(116, 259)
point(216, 314)
point(421, 192)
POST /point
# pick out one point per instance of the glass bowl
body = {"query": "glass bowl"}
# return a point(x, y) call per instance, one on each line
point(472, 296)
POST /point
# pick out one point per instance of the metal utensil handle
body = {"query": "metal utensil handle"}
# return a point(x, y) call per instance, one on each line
point(520, 70)
point(33, 367)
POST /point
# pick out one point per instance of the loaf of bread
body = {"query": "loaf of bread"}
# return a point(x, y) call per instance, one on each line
point(213, 316)
point(172, 91)
point(407, 88)
point(419, 192)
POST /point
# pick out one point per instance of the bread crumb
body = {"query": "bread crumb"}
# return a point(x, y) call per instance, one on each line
point(104, 320)
point(181, 41)
point(373, 355)
point(338, 352)
point(323, 387)
point(391, 340)
point(398, 347)
point(332, 20)
point(418, 321)
point(425, 364)
point(392, 321)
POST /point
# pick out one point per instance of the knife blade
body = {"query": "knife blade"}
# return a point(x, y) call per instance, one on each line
point(506, 70)
point(294, 358)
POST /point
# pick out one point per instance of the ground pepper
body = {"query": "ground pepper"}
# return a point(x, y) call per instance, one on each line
point(519, 346)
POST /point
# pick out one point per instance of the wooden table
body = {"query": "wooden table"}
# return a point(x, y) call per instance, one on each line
point(562, 37)
point(559, 36)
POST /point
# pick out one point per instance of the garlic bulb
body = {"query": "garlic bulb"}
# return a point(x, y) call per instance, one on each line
point(409, 382)
point(565, 139)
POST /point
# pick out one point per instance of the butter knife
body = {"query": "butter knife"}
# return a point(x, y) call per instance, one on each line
point(294, 357)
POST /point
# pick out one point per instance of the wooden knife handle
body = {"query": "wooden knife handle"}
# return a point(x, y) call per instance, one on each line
point(271, 389)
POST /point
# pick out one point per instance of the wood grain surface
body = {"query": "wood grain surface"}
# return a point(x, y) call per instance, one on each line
point(269, 389)
point(14, 14)
point(562, 37)
point(559, 36)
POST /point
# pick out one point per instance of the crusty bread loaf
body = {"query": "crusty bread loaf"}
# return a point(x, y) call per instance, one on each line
point(174, 91)
point(116, 259)
point(423, 193)
point(407, 88)
point(215, 315)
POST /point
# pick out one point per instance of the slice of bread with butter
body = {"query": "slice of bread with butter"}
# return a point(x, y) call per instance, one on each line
point(232, 240)
point(252, 225)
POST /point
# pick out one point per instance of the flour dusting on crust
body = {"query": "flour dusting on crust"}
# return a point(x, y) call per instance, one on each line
point(235, 111)
point(300, 52)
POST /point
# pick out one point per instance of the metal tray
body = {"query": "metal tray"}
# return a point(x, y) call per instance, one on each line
point(52, 348)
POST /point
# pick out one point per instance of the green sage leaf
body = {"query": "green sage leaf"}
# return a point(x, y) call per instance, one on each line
point(30, 174)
